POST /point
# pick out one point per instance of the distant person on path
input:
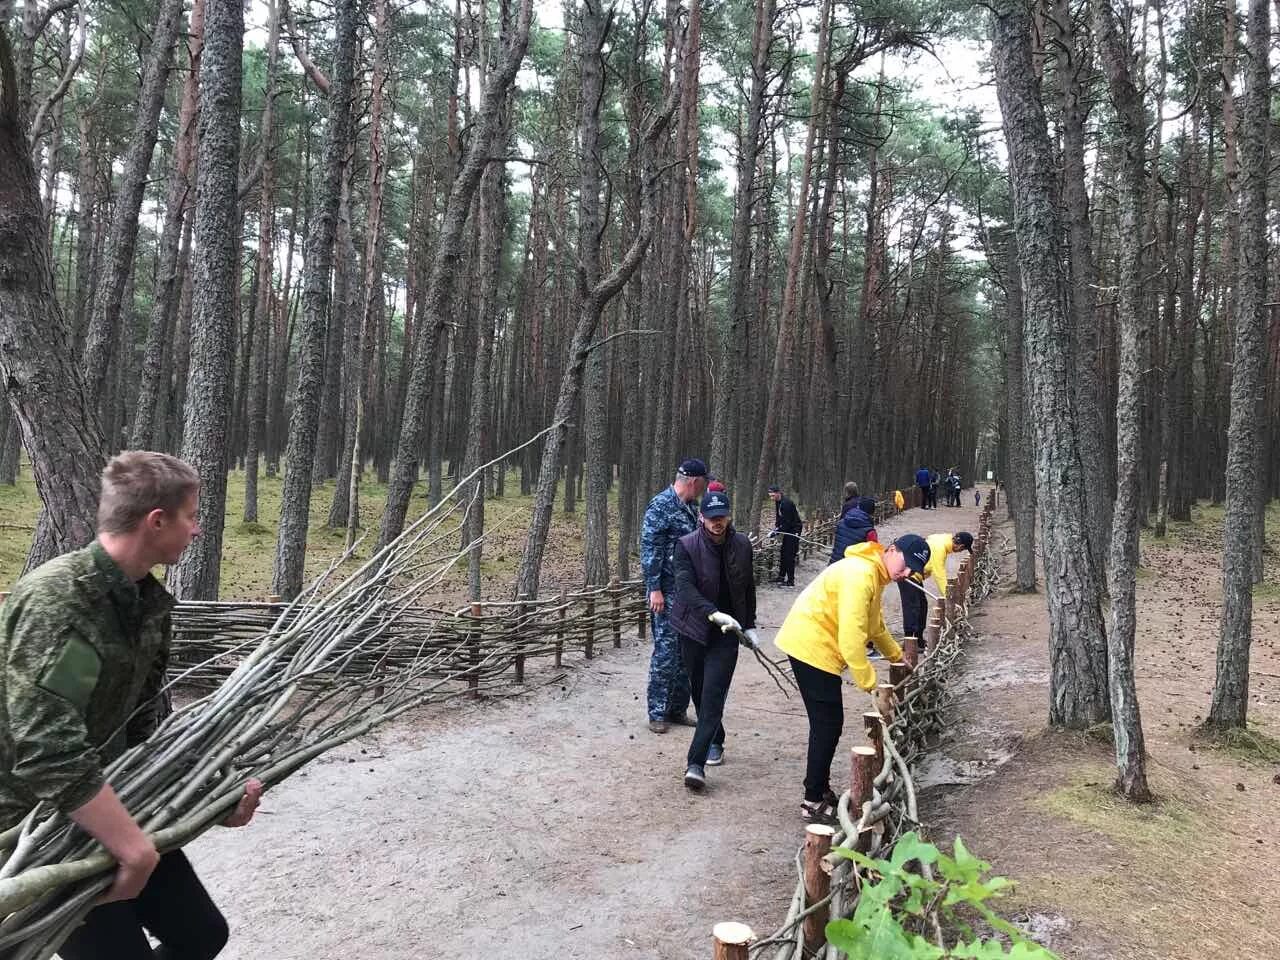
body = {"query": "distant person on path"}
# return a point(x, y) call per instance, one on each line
point(713, 608)
point(786, 521)
point(977, 498)
point(85, 645)
point(826, 631)
point(933, 489)
point(669, 516)
point(922, 481)
point(855, 526)
point(851, 498)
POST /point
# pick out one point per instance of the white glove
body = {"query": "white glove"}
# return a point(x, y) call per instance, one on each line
point(751, 638)
point(724, 622)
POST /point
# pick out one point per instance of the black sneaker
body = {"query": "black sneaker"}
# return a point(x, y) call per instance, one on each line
point(715, 756)
point(695, 778)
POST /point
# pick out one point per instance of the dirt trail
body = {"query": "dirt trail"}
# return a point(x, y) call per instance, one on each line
point(1195, 875)
point(550, 825)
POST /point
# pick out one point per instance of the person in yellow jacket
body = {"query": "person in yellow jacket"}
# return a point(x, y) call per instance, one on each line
point(826, 631)
point(915, 602)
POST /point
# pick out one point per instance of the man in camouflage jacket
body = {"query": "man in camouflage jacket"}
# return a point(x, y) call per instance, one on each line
point(669, 516)
point(84, 643)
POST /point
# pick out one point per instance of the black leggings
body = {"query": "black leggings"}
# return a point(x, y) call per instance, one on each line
point(825, 705)
point(173, 906)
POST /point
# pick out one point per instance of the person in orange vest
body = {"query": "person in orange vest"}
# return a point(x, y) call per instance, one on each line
point(827, 632)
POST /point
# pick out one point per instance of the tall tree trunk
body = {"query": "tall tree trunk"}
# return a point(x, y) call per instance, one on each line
point(782, 361)
point(164, 307)
point(256, 425)
point(1072, 65)
point(594, 296)
point(217, 286)
point(1020, 487)
point(1122, 571)
point(1077, 636)
point(1231, 685)
point(438, 299)
point(733, 344)
point(46, 393)
point(295, 503)
point(104, 321)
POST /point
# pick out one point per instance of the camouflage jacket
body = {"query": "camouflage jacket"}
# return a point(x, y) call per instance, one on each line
point(84, 653)
point(666, 520)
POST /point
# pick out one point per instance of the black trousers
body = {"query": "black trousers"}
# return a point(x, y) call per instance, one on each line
point(173, 906)
point(924, 496)
point(915, 611)
point(710, 667)
point(787, 557)
point(825, 706)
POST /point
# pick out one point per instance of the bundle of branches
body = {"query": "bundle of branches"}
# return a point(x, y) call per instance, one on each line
point(328, 669)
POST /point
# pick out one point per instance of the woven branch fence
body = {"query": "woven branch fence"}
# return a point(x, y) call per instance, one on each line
point(881, 802)
point(484, 646)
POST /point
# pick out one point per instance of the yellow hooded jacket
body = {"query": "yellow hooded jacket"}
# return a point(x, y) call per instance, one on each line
point(835, 615)
point(941, 546)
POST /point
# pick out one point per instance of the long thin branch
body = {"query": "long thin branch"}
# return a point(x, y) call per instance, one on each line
point(58, 92)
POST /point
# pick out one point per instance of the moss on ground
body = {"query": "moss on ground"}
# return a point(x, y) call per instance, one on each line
point(1252, 745)
point(1167, 824)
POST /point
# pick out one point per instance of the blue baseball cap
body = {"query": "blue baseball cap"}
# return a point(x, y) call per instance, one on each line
point(693, 467)
point(915, 550)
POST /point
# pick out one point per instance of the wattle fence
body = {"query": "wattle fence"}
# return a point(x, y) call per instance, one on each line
point(881, 803)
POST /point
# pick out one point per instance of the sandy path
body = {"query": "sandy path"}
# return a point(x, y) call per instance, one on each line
point(550, 825)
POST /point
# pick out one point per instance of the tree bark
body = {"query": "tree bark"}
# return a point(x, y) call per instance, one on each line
point(255, 426)
point(1020, 486)
point(594, 297)
point(438, 298)
point(1230, 704)
point(165, 305)
point(295, 504)
point(1122, 571)
point(1077, 637)
point(104, 321)
point(217, 285)
point(46, 393)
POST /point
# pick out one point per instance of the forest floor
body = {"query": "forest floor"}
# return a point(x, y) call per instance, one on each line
point(248, 549)
point(549, 825)
point(1194, 875)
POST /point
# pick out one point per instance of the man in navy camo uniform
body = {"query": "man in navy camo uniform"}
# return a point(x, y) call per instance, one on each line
point(669, 516)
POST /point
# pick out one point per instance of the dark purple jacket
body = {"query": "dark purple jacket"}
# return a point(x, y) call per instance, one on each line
point(700, 565)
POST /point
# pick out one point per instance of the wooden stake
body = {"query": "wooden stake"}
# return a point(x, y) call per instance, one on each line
point(817, 882)
point(731, 940)
point(473, 648)
point(911, 651)
point(862, 781)
point(524, 610)
point(898, 674)
point(589, 646)
point(886, 701)
point(875, 733)
point(616, 593)
point(560, 630)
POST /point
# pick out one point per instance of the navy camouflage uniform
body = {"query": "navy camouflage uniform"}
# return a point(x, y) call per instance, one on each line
point(666, 520)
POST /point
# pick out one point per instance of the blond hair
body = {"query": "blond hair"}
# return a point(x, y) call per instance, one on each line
point(136, 482)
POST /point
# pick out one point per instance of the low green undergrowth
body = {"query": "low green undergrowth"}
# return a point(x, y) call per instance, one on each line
point(903, 915)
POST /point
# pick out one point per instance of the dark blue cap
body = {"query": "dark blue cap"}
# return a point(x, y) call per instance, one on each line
point(915, 550)
point(715, 504)
point(693, 467)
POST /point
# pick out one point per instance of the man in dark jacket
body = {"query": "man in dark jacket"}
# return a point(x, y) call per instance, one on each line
point(786, 521)
point(851, 498)
point(714, 605)
point(856, 526)
point(84, 647)
point(923, 479)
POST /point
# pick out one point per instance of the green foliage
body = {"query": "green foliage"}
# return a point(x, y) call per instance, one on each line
point(897, 903)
